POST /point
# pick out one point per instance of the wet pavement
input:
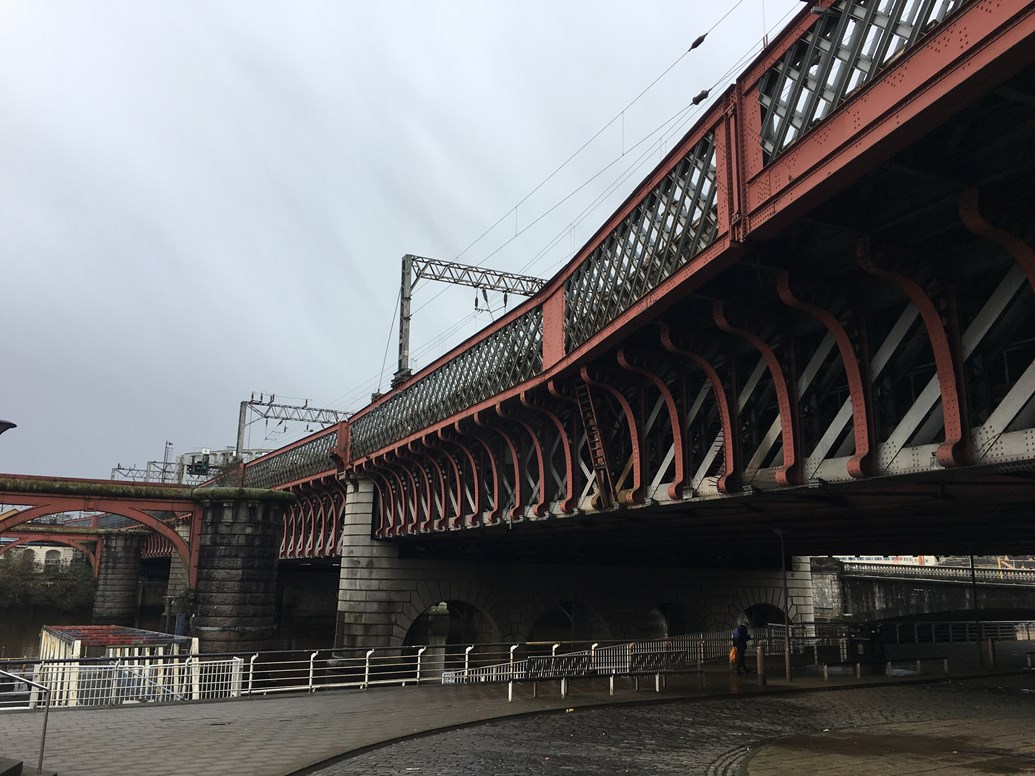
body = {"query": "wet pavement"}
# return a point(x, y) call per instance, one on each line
point(950, 726)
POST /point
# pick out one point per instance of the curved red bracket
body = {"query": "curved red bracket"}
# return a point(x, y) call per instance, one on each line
point(567, 504)
point(491, 515)
point(675, 488)
point(790, 472)
point(539, 508)
point(449, 521)
point(970, 214)
point(476, 486)
point(421, 482)
point(863, 463)
point(519, 504)
point(389, 507)
point(403, 476)
point(435, 514)
point(955, 450)
point(729, 480)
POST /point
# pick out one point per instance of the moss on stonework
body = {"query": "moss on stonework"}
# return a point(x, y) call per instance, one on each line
point(121, 490)
point(242, 494)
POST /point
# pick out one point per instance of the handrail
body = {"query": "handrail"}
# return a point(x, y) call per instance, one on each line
point(961, 573)
point(225, 675)
point(46, 711)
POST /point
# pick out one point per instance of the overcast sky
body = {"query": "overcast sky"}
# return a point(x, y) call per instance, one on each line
point(199, 200)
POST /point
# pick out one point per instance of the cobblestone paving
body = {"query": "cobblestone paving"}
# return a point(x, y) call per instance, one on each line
point(714, 737)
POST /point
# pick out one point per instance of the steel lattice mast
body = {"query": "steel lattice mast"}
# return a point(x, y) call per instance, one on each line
point(415, 268)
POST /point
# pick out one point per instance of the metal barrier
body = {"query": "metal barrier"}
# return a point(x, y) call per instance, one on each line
point(163, 679)
point(35, 688)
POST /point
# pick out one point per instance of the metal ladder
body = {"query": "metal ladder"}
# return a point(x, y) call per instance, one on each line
point(601, 474)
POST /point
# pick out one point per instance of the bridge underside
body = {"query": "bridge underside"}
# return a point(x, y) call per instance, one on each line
point(982, 513)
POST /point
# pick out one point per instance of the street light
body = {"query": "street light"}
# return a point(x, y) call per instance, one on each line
point(6, 424)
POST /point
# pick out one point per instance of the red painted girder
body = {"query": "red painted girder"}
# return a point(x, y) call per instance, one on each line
point(948, 360)
point(979, 47)
point(42, 505)
point(790, 472)
point(539, 508)
point(484, 516)
point(633, 495)
point(519, 504)
point(433, 442)
point(397, 469)
point(567, 504)
point(861, 464)
point(476, 489)
point(970, 213)
point(435, 515)
point(421, 485)
point(675, 487)
point(729, 480)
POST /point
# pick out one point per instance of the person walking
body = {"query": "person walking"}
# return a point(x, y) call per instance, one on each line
point(741, 637)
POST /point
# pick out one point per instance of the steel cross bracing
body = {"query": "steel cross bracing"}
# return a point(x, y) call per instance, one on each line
point(800, 294)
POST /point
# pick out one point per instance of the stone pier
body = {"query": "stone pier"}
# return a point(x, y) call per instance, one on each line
point(118, 582)
point(385, 600)
point(235, 597)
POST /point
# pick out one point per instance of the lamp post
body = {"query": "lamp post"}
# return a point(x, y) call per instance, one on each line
point(786, 609)
point(6, 424)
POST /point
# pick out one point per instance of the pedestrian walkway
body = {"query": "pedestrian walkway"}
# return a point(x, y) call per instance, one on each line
point(282, 735)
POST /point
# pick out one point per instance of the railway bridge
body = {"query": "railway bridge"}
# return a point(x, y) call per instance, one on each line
point(810, 330)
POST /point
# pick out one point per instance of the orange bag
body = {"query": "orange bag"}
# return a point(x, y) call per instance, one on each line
point(733, 655)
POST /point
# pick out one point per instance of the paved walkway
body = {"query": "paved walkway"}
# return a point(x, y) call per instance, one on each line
point(726, 726)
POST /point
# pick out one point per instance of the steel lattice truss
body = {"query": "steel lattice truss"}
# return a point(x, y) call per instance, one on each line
point(301, 461)
point(848, 46)
point(748, 322)
point(669, 227)
point(509, 357)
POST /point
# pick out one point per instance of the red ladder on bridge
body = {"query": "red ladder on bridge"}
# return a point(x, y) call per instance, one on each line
point(601, 473)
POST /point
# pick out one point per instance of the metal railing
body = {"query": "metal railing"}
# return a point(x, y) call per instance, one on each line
point(956, 631)
point(35, 688)
point(144, 680)
point(962, 574)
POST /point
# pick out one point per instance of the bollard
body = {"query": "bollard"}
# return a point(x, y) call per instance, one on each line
point(760, 663)
point(991, 654)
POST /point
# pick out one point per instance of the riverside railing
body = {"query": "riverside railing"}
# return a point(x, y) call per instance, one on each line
point(141, 680)
point(19, 682)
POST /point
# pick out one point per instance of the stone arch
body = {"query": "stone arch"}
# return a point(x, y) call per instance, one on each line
point(569, 620)
point(52, 557)
point(91, 556)
point(449, 623)
point(472, 601)
point(111, 507)
point(760, 615)
point(670, 618)
point(747, 597)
